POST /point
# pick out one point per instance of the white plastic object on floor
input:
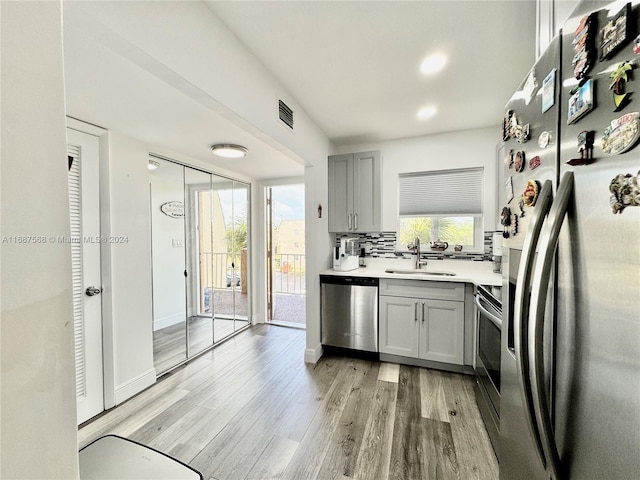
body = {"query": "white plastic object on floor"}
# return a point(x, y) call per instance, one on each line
point(117, 458)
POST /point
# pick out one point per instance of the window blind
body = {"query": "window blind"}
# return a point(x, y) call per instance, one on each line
point(447, 192)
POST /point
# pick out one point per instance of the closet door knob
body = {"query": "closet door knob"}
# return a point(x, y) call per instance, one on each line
point(91, 291)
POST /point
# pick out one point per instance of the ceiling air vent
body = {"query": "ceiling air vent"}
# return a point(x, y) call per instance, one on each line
point(286, 114)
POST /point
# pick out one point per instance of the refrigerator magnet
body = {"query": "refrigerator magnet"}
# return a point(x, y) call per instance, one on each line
point(581, 102)
point(619, 78)
point(519, 164)
point(583, 45)
point(522, 133)
point(583, 31)
point(549, 91)
point(585, 148)
point(626, 192)
point(530, 194)
point(614, 33)
point(506, 125)
point(636, 45)
point(508, 161)
point(622, 134)
point(544, 138)
point(534, 162)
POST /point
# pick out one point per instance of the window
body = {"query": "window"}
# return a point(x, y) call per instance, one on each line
point(441, 205)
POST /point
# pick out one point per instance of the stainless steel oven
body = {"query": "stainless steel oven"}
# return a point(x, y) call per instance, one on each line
point(489, 332)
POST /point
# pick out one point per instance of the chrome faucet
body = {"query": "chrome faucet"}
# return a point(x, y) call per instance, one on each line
point(419, 263)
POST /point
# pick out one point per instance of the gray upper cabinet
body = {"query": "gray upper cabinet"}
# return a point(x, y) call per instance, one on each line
point(354, 192)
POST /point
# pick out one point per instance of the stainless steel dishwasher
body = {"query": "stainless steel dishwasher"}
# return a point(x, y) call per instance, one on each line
point(349, 312)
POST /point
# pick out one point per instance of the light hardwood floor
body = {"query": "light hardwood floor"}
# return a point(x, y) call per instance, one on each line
point(170, 343)
point(252, 409)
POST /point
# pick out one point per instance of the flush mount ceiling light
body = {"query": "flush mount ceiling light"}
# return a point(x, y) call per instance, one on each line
point(228, 150)
point(426, 112)
point(433, 63)
point(153, 165)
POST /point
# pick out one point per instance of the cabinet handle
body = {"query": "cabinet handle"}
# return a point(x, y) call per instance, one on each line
point(415, 312)
point(349, 221)
point(355, 221)
point(423, 312)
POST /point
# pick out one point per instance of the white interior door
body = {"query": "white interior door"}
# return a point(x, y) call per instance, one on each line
point(84, 203)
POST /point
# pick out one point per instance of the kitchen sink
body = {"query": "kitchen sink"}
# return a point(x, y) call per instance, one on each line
point(414, 271)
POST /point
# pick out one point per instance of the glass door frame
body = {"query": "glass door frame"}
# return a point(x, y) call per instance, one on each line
point(189, 192)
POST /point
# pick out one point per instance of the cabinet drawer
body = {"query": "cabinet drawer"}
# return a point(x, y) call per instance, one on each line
point(422, 289)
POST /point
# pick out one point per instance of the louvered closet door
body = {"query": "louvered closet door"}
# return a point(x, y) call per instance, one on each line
point(84, 209)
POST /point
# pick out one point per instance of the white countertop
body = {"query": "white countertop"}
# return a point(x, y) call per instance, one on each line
point(466, 271)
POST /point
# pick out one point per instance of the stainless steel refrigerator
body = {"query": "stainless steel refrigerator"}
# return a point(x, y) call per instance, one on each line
point(570, 356)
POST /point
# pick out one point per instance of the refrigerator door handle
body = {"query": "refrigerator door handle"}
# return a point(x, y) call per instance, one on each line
point(521, 340)
point(540, 287)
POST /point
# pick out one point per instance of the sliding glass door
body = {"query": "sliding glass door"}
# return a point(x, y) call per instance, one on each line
point(208, 289)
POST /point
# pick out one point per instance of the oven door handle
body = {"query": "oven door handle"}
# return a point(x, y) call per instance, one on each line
point(521, 312)
point(497, 321)
point(540, 287)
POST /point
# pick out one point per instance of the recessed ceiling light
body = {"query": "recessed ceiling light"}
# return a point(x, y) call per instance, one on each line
point(153, 165)
point(228, 150)
point(426, 112)
point(433, 63)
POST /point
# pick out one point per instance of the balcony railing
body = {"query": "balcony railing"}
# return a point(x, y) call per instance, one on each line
point(289, 273)
point(216, 271)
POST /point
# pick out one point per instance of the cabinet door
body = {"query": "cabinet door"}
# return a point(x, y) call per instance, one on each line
point(399, 326)
point(366, 192)
point(340, 193)
point(442, 331)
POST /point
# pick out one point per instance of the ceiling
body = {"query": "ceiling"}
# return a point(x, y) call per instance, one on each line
point(352, 66)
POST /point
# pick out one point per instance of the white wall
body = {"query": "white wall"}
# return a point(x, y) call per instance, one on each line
point(126, 267)
point(38, 407)
point(462, 149)
point(318, 243)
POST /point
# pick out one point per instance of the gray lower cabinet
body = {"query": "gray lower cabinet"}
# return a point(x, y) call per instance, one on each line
point(354, 192)
point(414, 324)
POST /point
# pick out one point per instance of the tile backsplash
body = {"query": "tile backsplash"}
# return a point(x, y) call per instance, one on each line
point(383, 244)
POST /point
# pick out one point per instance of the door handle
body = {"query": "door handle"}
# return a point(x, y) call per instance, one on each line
point(423, 315)
point(497, 321)
point(521, 318)
point(540, 287)
point(355, 221)
point(349, 221)
point(91, 291)
point(415, 311)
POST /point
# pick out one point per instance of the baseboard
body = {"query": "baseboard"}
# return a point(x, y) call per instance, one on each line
point(418, 362)
point(312, 355)
point(135, 385)
point(168, 321)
